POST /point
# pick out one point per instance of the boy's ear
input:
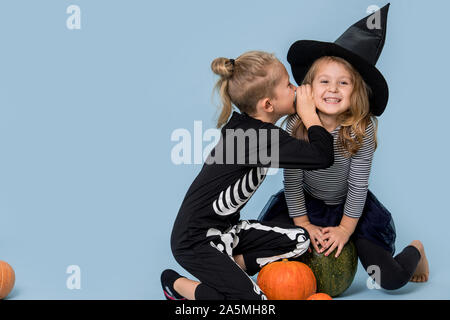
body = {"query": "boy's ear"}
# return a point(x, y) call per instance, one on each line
point(267, 105)
point(264, 105)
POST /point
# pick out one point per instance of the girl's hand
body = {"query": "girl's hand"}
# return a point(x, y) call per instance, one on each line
point(335, 237)
point(305, 106)
point(316, 236)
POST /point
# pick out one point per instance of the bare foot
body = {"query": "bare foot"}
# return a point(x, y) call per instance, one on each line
point(422, 270)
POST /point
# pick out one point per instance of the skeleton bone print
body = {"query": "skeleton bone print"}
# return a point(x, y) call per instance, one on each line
point(227, 242)
point(228, 203)
point(229, 239)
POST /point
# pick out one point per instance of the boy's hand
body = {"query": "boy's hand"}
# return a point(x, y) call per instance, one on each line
point(305, 106)
point(335, 237)
point(305, 102)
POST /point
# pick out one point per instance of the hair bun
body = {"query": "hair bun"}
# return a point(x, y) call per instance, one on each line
point(223, 67)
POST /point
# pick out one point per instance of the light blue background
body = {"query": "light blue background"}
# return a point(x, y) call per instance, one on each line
point(86, 117)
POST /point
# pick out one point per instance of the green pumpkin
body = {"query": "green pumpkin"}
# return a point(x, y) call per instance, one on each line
point(333, 275)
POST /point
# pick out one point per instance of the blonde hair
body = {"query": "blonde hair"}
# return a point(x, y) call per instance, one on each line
point(355, 120)
point(246, 80)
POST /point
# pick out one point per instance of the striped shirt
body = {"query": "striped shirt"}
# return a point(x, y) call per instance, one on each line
point(347, 180)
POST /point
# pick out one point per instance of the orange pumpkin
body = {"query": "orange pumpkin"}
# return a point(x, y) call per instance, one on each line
point(7, 279)
point(287, 280)
point(320, 296)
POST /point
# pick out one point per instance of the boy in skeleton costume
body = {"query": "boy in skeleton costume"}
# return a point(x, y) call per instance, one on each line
point(208, 239)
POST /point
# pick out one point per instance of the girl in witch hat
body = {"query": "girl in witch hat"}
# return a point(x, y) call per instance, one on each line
point(334, 204)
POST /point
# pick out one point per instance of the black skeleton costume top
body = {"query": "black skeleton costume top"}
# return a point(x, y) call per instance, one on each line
point(236, 167)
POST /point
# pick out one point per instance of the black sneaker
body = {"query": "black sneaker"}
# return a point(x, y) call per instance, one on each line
point(168, 277)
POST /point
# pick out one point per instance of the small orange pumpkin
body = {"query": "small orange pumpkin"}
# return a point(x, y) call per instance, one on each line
point(287, 280)
point(7, 279)
point(320, 296)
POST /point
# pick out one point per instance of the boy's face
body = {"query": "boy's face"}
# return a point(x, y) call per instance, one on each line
point(332, 88)
point(284, 95)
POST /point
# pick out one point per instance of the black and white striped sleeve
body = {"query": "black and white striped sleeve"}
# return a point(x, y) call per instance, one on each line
point(358, 178)
point(293, 184)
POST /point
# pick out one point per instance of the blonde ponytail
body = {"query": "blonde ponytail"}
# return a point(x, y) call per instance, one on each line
point(246, 80)
point(224, 68)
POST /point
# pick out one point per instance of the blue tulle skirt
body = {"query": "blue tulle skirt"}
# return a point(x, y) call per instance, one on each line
point(375, 224)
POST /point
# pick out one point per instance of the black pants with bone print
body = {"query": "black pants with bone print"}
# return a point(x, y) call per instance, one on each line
point(211, 261)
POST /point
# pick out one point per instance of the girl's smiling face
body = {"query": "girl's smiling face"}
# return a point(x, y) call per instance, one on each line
point(332, 88)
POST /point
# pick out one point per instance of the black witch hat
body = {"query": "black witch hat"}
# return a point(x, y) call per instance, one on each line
point(361, 45)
